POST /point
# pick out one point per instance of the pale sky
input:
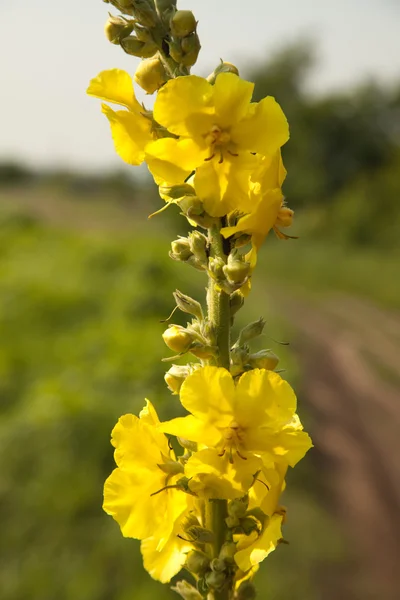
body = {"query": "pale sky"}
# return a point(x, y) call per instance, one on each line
point(50, 49)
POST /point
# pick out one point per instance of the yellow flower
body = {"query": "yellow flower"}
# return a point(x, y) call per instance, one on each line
point(145, 465)
point(130, 129)
point(255, 416)
point(265, 201)
point(219, 131)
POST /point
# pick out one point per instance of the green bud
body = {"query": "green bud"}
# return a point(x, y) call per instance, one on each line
point(237, 269)
point(223, 67)
point(144, 12)
point(183, 23)
point(203, 351)
point(198, 245)
point(142, 33)
point(246, 591)
point(228, 552)
point(171, 467)
point(177, 192)
point(238, 507)
point(200, 535)
point(258, 514)
point(187, 305)
point(175, 376)
point(180, 249)
point(218, 565)
point(132, 46)
point(264, 359)
point(165, 9)
point(197, 562)
point(232, 522)
point(250, 332)
point(150, 74)
point(190, 48)
point(239, 356)
point(117, 28)
point(186, 591)
point(236, 302)
point(249, 524)
point(177, 338)
point(216, 580)
point(216, 266)
point(175, 50)
point(188, 445)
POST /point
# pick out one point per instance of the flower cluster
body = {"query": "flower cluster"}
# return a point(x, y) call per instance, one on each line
point(208, 498)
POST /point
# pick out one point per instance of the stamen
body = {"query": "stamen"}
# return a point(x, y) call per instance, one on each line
point(241, 455)
point(233, 153)
point(222, 452)
point(209, 158)
point(221, 159)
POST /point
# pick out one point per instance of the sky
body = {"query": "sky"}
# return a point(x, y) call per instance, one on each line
point(50, 49)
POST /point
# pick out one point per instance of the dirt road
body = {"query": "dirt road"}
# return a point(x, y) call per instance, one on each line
point(349, 352)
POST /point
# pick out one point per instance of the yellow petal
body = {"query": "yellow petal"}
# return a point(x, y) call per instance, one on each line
point(208, 393)
point(260, 548)
point(291, 446)
point(131, 133)
point(173, 160)
point(115, 86)
point(192, 429)
point(265, 130)
point(232, 97)
point(184, 106)
point(149, 415)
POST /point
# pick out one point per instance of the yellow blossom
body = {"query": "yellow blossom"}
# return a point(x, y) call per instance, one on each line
point(145, 465)
point(257, 415)
point(131, 130)
point(219, 131)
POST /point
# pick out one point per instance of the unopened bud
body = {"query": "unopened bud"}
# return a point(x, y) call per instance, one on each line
point(177, 338)
point(171, 467)
point(218, 565)
point(223, 67)
point(117, 28)
point(232, 522)
point(197, 562)
point(285, 217)
point(238, 507)
point(150, 74)
point(227, 552)
point(175, 49)
point(176, 192)
point(175, 376)
point(250, 332)
point(264, 359)
point(236, 302)
point(198, 245)
point(216, 266)
point(132, 46)
point(142, 33)
point(165, 9)
point(144, 12)
point(186, 591)
point(183, 23)
point(249, 524)
point(180, 249)
point(203, 351)
point(246, 591)
point(190, 49)
point(191, 204)
point(188, 305)
point(236, 269)
point(215, 580)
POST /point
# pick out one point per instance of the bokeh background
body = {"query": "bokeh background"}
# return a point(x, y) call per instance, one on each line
point(85, 280)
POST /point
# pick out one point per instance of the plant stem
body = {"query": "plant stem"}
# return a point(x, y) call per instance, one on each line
point(220, 318)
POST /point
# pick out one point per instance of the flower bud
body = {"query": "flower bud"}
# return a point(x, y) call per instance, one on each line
point(171, 467)
point(198, 245)
point(216, 266)
point(227, 552)
point(249, 524)
point(246, 591)
point(285, 217)
point(175, 376)
point(190, 48)
point(183, 23)
point(238, 507)
point(150, 74)
point(236, 269)
point(197, 562)
point(177, 338)
point(264, 359)
point(200, 534)
point(232, 522)
point(239, 356)
point(165, 9)
point(236, 302)
point(144, 12)
point(132, 46)
point(218, 565)
point(223, 67)
point(142, 33)
point(204, 351)
point(188, 305)
point(180, 249)
point(175, 50)
point(176, 192)
point(215, 580)
point(251, 331)
point(117, 28)
point(186, 591)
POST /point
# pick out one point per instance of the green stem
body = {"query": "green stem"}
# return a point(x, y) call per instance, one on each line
point(220, 318)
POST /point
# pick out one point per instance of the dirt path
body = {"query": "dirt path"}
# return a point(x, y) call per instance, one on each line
point(349, 353)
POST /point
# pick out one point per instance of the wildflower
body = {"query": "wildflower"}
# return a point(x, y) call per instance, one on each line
point(219, 131)
point(146, 465)
point(255, 416)
point(131, 129)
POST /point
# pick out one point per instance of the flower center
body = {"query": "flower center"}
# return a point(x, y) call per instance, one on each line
point(233, 440)
point(219, 142)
